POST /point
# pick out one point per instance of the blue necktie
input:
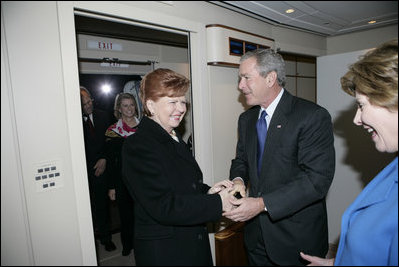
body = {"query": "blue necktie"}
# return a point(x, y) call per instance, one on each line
point(261, 128)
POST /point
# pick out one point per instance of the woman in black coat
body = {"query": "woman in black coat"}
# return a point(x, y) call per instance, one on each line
point(172, 204)
point(116, 134)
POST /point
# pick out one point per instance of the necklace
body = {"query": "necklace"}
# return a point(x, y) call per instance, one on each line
point(174, 136)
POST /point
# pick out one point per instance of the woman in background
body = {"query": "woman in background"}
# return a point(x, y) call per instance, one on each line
point(369, 227)
point(125, 113)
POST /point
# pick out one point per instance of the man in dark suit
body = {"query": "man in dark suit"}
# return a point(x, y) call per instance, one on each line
point(288, 175)
point(95, 123)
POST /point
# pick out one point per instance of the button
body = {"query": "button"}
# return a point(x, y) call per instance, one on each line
point(200, 237)
point(259, 194)
point(194, 186)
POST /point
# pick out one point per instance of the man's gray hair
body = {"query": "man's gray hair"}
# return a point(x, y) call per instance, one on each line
point(267, 60)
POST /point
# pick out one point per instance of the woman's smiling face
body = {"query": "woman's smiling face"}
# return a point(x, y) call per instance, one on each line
point(381, 123)
point(168, 111)
point(127, 108)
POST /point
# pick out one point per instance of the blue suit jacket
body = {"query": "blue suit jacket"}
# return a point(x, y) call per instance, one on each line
point(369, 229)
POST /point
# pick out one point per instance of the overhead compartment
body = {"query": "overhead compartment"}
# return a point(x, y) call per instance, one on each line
point(225, 45)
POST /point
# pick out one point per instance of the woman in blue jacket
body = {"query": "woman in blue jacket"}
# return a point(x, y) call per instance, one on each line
point(369, 227)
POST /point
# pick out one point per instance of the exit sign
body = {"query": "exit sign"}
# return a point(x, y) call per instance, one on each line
point(100, 45)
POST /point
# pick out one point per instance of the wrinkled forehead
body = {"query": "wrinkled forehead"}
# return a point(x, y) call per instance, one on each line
point(85, 98)
point(84, 95)
point(174, 98)
point(247, 66)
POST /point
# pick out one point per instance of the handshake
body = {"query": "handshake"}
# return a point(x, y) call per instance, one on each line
point(229, 192)
point(236, 206)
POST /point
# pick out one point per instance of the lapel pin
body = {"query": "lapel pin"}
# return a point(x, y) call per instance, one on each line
point(279, 126)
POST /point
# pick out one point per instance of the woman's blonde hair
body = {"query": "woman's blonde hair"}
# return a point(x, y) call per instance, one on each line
point(118, 101)
point(375, 75)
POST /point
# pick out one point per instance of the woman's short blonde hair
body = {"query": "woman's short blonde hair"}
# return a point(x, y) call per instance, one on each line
point(375, 75)
point(118, 101)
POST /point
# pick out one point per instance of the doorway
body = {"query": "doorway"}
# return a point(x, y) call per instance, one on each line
point(118, 55)
point(110, 48)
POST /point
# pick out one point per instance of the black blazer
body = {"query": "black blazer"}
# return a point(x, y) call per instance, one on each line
point(171, 204)
point(95, 146)
point(297, 170)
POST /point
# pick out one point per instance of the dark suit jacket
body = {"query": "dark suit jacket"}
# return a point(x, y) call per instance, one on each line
point(297, 170)
point(95, 150)
point(171, 204)
point(95, 146)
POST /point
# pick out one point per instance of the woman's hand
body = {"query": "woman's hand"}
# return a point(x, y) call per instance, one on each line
point(111, 194)
point(316, 261)
point(219, 186)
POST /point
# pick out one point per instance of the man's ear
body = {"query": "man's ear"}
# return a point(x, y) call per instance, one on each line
point(271, 78)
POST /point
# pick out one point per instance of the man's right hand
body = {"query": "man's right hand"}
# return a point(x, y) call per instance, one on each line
point(99, 168)
point(238, 186)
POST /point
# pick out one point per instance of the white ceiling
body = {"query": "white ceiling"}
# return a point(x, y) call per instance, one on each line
point(327, 18)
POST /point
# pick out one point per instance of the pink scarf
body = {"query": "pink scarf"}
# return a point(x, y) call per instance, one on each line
point(122, 129)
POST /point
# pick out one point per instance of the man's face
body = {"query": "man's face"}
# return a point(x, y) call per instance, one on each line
point(252, 85)
point(87, 104)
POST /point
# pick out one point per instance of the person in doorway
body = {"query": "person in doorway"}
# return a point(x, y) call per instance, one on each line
point(95, 123)
point(172, 204)
point(289, 170)
point(369, 226)
point(125, 113)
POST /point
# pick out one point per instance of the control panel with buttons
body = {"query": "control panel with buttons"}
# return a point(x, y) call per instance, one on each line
point(48, 175)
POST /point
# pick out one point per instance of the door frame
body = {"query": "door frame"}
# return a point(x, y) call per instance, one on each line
point(200, 96)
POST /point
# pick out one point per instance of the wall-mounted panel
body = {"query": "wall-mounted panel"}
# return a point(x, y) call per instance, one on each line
point(225, 45)
point(301, 76)
point(306, 88)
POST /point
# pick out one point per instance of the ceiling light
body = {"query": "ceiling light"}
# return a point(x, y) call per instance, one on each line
point(288, 11)
point(106, 88)
point(372, 21)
